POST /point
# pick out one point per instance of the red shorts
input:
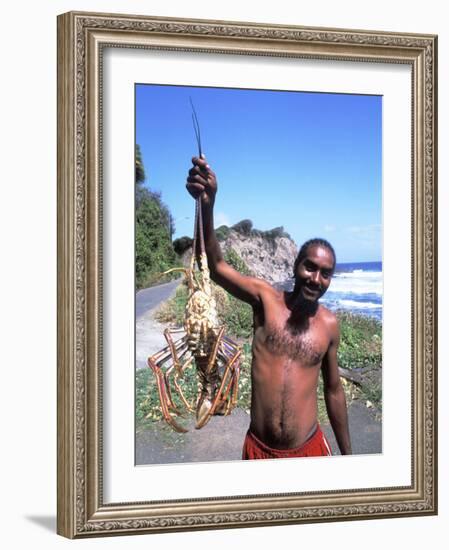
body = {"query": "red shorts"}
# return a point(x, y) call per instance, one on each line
point(316, 445)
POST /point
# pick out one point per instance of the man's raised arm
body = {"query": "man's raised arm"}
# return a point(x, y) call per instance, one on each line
point(202, 182)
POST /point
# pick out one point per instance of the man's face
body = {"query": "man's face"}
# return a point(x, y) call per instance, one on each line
point(314, 273)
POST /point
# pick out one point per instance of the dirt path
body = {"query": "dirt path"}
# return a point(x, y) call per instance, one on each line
point(222, 438)
point(149, 332)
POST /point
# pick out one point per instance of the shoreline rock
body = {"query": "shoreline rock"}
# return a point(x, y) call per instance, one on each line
point(267, 255)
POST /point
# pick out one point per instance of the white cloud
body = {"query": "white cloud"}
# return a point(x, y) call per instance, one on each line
point(365, 234)
point(221, 219)
point(329, 228)
point(364, 229)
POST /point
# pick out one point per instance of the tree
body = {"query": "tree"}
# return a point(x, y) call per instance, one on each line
point(182, 244)
point(140, 170)
point(154, 229)
point(244, 227)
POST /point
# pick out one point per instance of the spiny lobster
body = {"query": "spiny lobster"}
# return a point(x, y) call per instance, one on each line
point(216, 357)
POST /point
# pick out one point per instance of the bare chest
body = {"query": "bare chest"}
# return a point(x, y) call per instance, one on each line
point(306, 347)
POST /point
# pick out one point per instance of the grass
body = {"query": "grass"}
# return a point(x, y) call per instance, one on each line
point(172, 311)
point(244, 401)
point(361, 349)
point(148, 407)
point(360, 341)
point(371, 390)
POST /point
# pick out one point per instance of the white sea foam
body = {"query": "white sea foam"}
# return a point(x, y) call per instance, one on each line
point(360, 282)
point(359, 274)
point(352, 304)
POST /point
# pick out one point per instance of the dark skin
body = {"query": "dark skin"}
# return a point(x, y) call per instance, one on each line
point(294, 337)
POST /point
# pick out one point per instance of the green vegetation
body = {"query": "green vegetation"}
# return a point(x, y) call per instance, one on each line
point(148, 407)
point(154, 230)
point(140, 169)
point(371, 392)
point(182, 244)
point(244, 401)
point(172, 311)
point(237, 315)
point(275, 233)
point(361, 341)
point(245, 227)
point(238, 319)
point(360, 350)
point(234, 260)
point(222, 232)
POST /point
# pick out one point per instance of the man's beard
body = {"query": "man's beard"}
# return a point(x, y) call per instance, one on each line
point(299, 300)
point(303, 305)
point(301, 309)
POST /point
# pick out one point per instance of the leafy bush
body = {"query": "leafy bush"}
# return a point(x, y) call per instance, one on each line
point(222, 232)
point(238, 318)
point(154, 230)
point(234, 260)
point(172, 311)
point(244, 227)
point(360, 341)
point(244, 396)
point(148, 406)
point(182, 244)
point(275, 233)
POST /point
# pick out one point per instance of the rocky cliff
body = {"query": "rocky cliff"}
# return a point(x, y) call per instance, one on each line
point(271, 259)
point(269, 255)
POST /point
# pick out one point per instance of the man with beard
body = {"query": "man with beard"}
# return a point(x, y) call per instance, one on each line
point(294, 338)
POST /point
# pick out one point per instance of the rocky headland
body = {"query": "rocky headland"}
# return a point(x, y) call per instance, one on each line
point(269, 255)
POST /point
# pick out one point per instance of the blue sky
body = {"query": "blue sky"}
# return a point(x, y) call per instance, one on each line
point(311, 162)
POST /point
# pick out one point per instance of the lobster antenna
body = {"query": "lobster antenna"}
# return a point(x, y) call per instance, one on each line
point(198, 228)
point(196, 127)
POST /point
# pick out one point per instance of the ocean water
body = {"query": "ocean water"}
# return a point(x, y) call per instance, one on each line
point(355, 287)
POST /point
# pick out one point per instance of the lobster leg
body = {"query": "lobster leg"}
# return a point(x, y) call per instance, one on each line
point(235, 390)
point(165, 353)
point(172, 345)
point(176, 351)
point(228, 382)
point(225, 386)
point(206, 398)
point(164, 398)
point(227, 350)
point(175, 347)
point(213, 356)
point(229, 397)
point(170, 371)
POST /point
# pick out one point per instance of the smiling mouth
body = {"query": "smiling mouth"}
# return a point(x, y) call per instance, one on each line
point(314, 291)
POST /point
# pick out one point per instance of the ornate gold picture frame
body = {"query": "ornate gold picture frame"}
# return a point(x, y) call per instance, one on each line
point(83, 510)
